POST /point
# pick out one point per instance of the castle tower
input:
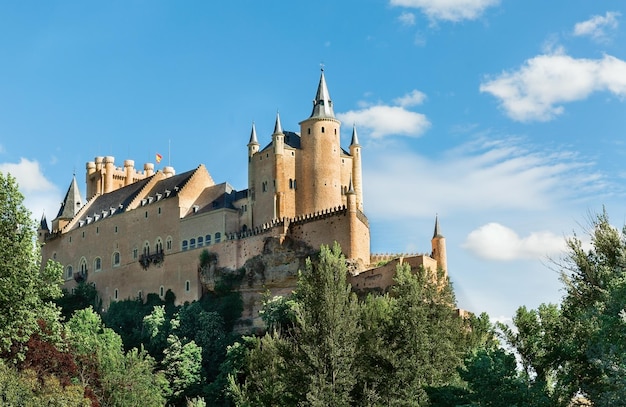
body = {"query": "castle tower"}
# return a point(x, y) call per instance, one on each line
point(109, 169)
point(278, 142)
point(69, 207)
point(253, 148)
point(438, 243)
point(357, 174)
point(319, 173)
point(129, 171)
point(43, 231)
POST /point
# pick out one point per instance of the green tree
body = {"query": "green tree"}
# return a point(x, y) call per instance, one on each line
point(182, 365)
point(26, 289)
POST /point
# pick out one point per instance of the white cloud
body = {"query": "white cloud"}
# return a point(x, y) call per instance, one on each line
point(477, 177)
point(385, 120)
point(413, 98)
point(407, 18)
point(40, 195)
point(494, 241)
point(537, 90)
point(596, 26)
point(449, 10)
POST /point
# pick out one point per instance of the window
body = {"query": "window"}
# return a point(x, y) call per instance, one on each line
point(200, 241)
point(83, 266)
point(159, 210)
point(168, 243)
point(97, 230)
point(115, 295)
point(116, 259)
point(207, 239)
point(187, 286)
point(162, 291)
point(184, 245)
point(218, 237)
point(146, 248)
point(70, 239)
point(83, 234)
point(116, 229)
point(54, 255)
point(97, 264)
point(159, 245)
point(192, 243)
point(139, 295)
point(146, 215)
point(135, 253)
point(322, 129)
point(308, 131)
point(69, 272)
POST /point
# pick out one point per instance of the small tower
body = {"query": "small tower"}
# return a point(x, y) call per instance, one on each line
point(439, 248)
point(43, 231)
point(278, 142)
point(69, 207)
point(319, 173)
point(357, 174)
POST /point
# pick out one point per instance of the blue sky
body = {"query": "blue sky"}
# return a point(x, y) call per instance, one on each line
point(506, 118)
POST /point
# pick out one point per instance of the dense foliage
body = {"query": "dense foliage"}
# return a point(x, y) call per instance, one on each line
point(323, 345)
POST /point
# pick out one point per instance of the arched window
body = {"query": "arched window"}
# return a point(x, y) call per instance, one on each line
point(83, 266)
point(69, 272)
point(184, 245)
point(159, 245)
point(116, 259)
point(97, 264)
point(192, 243)
point(200, 241)
point(146, 248)
point(218, 237)
point(207, 239)
point(168, 243)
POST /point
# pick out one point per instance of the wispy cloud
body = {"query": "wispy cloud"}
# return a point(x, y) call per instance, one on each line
point(382, 120)
point(448, 10)
point(597, 26)
point(40, 194)
point(494, 241)
point(483, 175)
point(537, 90)
point(407, 18)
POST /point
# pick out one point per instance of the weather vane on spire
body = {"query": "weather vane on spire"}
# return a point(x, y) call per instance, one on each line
point(322, 66)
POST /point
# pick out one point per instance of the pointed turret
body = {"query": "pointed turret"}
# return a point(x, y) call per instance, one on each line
point(253, 139)
point(278, 128)
point(322, 105)
point(355, 137)
point(439, 248)
point(43, 224)
point(71, 203)
point(43, 230)
point(437, 233)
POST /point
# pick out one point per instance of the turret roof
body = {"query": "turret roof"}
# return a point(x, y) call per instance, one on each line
point(278, 129)
point(322, 105)
point(437, 233)
point(72, 201)
point(355, 137)
point(43, 224)
point(253, 139)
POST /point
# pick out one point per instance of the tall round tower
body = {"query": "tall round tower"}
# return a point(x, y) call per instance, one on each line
point(357, 174)
point(319, 172)
point(438, 243)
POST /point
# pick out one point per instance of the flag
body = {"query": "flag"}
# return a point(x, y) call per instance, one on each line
point(159, 157)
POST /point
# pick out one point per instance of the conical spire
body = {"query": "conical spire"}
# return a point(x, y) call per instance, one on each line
point(253, 139)
point(437, 233)
point(43, 225)
point(322, 105)
point(355, 137)
point(350, 186)
point(72, 202)
point(278, 129)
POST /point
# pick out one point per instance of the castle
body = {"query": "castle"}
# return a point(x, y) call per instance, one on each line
point(142, 231)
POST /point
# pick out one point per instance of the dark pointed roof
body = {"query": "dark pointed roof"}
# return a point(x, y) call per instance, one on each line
point(350, 186)
point(278, 129)
point(72, 202)
point(322, 105)
point(253, 139)
point(437, 233)
point(43, 224)
point(355, 137)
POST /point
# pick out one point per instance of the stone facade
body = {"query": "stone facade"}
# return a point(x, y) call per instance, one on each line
point(142, 232)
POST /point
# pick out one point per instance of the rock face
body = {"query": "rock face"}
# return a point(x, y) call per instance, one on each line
point(275, 270)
